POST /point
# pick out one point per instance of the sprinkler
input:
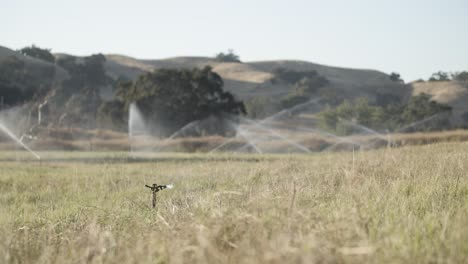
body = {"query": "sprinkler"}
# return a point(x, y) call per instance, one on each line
point(156, 188)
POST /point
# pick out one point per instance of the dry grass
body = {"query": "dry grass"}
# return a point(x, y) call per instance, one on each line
point(401, 205)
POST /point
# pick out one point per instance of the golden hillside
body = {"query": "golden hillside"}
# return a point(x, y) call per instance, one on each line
point(252, 79)
point(452, 93)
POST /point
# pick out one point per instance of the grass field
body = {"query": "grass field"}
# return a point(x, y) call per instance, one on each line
point(402, 205)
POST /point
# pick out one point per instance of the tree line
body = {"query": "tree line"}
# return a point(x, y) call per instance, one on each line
point(393, 117)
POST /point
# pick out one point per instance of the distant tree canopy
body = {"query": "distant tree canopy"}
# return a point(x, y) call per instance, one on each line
point(230, 56)
point(394, 117)
point(305, 85)
point(111, 115)
point(12, 68)
point(261, 106)
point(461, 76)
point(420, 107)
point(85, 72)
point(38, 53)
point(465, 117)
point(395, 77)
point(440, 76)
point(19, 84)
point(172, 98)
point(79, 95)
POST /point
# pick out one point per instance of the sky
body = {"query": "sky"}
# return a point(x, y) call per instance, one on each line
point(414, 38)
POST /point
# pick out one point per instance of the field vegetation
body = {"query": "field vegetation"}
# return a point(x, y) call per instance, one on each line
point(398, 205)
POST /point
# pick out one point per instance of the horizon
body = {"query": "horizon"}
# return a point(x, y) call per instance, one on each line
point(413, 39)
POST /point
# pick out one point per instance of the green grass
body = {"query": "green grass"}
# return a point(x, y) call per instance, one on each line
point(392, 205)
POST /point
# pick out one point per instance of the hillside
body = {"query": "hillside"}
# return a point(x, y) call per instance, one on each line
point(32, 64)
point(251, 79)
point(452, 93)
point(248, 81)
point(245, 80)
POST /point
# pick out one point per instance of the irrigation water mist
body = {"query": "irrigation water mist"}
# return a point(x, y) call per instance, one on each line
point(178, 133)
point(16, 140)
point(188, 127)
point(363, 128)
point(136, 124)
point(417, 123)
point(245, 135)
point(290, 110)
point(253, 138)
point(255, 133)
point(343, 140)
point(327, 134)
point(277, 135)
point(252, 131)
point(339, 140)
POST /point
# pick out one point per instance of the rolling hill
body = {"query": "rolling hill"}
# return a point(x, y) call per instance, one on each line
point(253, 79)
point(452, 93)
point(250, 80)
point(245, 80)
point(32, 64)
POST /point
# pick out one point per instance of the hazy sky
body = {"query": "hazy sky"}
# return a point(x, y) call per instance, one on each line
point(412, 37)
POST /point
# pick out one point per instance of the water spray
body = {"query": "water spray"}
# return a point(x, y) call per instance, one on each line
point(278, 135)
point(255, 132)
point(417, 123)
point(19, 142)
point(249, 142)
point(181, 131)
point(136, 124)
point(290, 110)
point(363, 128)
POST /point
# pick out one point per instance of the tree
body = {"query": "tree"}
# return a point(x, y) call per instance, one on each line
point(389, 117)
point(293, 99)
point(19, 83)
point(439, 76)
point(395, 77)
point(171, 98)
point(230, 56)
point(384, 99)
point(111, 115)
point(461, 76)
point(38, 53)
point(421, 107)
point(305, 84)
point(464, 116)
point(77, 100)
point(94, 69)
point(261, 107)
point(12, 68)
point(87, 72)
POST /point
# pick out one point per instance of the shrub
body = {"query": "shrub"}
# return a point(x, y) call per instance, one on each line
point(230, 56)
